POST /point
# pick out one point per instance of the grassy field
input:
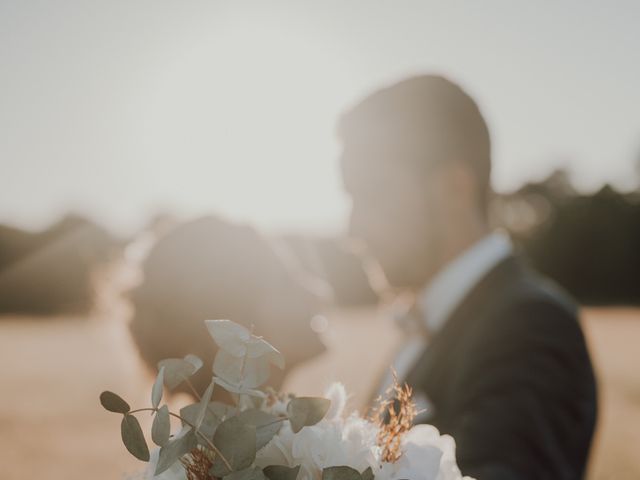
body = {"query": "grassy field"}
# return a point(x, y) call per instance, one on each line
point(52, 371)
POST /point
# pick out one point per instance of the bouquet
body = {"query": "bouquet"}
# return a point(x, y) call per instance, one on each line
point(266, 435)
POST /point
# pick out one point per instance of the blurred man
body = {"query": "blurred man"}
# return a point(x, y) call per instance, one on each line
point(496, 355)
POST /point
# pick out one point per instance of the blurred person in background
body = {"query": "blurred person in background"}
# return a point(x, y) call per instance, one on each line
point(213, 269)
point(494, 352)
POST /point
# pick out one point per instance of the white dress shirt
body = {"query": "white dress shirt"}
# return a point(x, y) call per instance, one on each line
point(442, 295)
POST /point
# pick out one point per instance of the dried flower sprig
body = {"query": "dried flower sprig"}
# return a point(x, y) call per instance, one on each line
point(198, 464)
point(394, 415)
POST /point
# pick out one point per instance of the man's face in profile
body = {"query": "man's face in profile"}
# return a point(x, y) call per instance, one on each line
point(394, 209)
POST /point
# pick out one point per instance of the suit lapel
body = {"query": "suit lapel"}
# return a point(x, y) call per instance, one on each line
point(429, 375)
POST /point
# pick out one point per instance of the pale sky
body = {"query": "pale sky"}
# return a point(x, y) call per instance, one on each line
point(120, 108)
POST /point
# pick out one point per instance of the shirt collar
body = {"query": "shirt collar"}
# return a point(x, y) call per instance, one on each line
point(451, 284)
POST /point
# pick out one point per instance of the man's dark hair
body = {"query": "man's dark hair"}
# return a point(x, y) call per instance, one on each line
point(431, 119)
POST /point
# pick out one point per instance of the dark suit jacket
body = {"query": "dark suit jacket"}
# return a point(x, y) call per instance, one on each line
point(510, 379)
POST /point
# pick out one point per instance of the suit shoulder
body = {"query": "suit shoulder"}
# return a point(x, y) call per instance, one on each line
point(535, 303)
point(539, 289)
point(528, 287)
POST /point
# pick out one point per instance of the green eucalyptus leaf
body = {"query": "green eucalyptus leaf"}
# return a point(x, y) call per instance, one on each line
point(156, 391)
point(340, 473)
point(256, 371)
point(204, 403)
point(161, 428)
point(216, 411)
point(114, 403)
point(174, 450)
point(267, 425)
point(228, 367)
point(229, 336)
point(215, 414)
point(195, 361)
point(367, 474)
point(133, 438)
point(254, 473)
point(236, 441)
point(176, 370)
point(281, 472)
point(238, 388)
point(239, 342)
point(260, 348)
point(249, 372)
point(306, 411)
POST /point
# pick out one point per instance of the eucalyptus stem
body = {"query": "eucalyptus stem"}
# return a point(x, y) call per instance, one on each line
point(193, 390)
point(197, 431)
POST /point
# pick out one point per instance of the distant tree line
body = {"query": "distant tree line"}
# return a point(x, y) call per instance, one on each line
point(52, 271)
point(588, 243)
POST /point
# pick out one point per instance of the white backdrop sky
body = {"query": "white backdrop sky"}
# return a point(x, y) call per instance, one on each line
point(121, 108)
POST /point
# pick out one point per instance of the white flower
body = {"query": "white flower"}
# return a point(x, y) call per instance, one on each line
point(334, 441)
point(337, 395)
point(426, 455)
